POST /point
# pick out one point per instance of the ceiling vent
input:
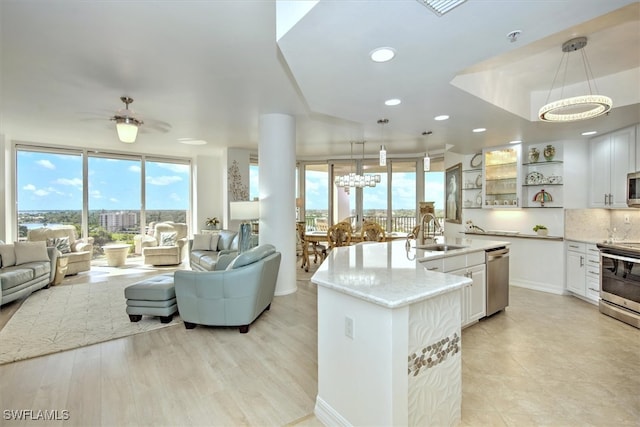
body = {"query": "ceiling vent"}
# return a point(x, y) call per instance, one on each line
point(440, 7)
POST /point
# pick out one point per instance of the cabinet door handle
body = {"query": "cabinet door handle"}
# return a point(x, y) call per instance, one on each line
point(573, 246)
point(594, 272)
point(581, 261)
point(605, 199)
point(595, 290)
point(432, 268)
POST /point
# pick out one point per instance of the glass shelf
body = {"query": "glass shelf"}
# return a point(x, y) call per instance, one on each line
point(541, 185)
point(550, 162)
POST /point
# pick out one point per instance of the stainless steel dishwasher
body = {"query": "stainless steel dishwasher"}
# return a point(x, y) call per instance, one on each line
point(497, 279)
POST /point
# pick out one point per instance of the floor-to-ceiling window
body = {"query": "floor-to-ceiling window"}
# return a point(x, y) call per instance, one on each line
point(120, 199)
point(316, 195)
point(403, 195)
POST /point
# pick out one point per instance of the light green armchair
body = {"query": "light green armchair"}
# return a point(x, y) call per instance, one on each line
point(235, 296)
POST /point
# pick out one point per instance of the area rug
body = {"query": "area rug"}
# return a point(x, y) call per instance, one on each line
point(71, 316)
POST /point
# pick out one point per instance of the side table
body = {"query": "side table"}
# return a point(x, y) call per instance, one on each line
point(62, 265)
point(116, 254)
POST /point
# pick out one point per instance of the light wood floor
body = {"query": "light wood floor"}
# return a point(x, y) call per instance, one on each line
point(548, 360)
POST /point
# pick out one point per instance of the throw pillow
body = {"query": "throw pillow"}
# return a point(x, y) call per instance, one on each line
point(8, 255)
point(201, 242)
point(214, 241)
point(31, 252)
point(168, 239)
point(61, 244)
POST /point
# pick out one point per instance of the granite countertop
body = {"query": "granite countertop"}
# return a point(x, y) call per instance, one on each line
point(389, 274)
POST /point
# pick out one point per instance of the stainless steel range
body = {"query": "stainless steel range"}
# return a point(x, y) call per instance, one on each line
point(620, 281)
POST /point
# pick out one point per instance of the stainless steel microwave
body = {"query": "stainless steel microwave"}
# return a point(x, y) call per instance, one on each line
point(633, 190)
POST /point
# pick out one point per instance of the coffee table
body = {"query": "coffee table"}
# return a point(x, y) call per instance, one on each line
point(116, 254)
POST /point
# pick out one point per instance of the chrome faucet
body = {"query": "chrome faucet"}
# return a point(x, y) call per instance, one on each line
point(425, 222)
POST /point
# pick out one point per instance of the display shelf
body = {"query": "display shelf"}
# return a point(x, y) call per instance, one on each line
point(501, 188)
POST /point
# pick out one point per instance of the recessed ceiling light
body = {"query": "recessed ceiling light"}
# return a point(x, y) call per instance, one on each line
point(382, 54)
point(591, 132)
point(442, 117)
point(478, 130)
point(392, 102)
point(515, 141)
point(192, 141)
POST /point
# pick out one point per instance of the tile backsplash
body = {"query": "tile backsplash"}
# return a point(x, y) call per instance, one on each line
point(593, 225)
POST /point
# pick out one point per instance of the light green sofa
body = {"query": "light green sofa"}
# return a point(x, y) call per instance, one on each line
point(235, 296)
point(25, 267)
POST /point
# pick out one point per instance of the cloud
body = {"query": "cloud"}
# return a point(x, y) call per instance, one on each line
point(135, 168)
point(163, 180)
point(29, 187)
point(46, 164)
point(41, 192)
point(95, 194)
point(175, 197)
point(74, 182)
point(173, 167)
point(113, 200)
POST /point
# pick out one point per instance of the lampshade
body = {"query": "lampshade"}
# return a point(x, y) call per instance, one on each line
point(383, 155)
point(427, 163)
point(127, 128)
point(245, 210)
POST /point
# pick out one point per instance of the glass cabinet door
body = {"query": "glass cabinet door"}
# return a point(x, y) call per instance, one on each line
point(501, 175)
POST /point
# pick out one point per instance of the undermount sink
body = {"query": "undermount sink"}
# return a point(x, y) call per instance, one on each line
point(439, 247)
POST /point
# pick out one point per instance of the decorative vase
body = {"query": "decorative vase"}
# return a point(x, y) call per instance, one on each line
point(534, 155)
point(549, 152)
point(542, 232)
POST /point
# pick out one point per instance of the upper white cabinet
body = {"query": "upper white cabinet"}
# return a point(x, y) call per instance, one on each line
point(613, 156)
point(501, 177)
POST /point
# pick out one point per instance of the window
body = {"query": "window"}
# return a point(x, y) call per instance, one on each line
point(51, 191)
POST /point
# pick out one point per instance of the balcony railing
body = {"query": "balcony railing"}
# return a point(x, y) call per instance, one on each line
point(402, 224)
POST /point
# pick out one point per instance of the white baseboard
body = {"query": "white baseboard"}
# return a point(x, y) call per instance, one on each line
point(327, 415)
point(538, 286)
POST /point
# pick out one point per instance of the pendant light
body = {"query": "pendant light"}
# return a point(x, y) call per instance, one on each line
point(578, 107)
point(383, 148)
point(427, 160)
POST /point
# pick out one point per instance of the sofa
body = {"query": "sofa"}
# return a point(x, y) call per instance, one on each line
point(205, 249)
point(25, 267)
point(235, 296)
point(171, 243)
point(78, 251)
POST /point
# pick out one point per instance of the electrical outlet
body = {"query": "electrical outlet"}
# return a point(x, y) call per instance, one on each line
point(627, 219)
point(348, 327)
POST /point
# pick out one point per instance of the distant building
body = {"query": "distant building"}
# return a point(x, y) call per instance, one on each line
point(118, 221)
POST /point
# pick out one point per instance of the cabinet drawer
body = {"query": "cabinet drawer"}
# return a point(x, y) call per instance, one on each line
point(455, 262)
point(475, 258)
point(433, 265)
point(593, 266)
point(576, 246)
point(593, 289)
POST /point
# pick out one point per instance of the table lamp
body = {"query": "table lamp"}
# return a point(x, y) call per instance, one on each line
point(245, 211)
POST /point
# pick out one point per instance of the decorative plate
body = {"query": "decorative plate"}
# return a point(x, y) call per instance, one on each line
point(476, 161)
point(479, 199)
point(479, 181)
point(535, 178)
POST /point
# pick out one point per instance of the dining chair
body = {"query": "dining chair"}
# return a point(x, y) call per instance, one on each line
point(304, 247)
point(339, 235)
point(372, 232)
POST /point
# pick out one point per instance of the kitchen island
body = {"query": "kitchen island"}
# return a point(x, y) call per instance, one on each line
point(389, 334)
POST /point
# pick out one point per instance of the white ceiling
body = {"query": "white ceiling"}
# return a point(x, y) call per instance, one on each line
point(208, 69)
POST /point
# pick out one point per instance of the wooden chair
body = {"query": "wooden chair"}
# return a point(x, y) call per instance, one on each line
point(372, 232)
point(339, 235)
point(304, 248)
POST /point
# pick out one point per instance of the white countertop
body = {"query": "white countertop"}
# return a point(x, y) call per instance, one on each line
point(389, 274)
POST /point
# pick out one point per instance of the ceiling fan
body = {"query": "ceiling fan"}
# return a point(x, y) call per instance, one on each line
point(126, 123)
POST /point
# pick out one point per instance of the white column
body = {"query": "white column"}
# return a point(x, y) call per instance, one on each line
point(277, 162)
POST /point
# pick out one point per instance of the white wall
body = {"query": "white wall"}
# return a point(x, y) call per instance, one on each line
point(4, 178)
point(208, 200)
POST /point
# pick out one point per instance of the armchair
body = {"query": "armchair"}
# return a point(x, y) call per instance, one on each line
point(235, 296)
point(78, 252)
point(171, 238)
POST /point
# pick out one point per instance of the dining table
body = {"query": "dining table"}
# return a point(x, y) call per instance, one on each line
point(321, 236)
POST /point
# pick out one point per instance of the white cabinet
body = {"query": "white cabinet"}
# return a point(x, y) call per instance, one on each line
point(474, 297)
point(612, 157)
point(576, 261)
point(583, 270)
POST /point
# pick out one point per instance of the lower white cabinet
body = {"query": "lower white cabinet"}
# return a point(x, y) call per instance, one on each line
point(583, 270)
point(474, 297)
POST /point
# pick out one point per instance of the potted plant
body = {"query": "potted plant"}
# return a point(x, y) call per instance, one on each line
point(541, 230)
point(212, 222)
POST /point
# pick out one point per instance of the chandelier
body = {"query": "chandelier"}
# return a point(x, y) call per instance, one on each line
point(577, 107)
point(353, 179)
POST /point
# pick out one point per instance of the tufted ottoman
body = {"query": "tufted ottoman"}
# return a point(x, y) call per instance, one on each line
point(155, 296)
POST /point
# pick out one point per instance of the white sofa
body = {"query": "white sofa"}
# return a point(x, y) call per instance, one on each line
point(80, 251)
point(167, 252)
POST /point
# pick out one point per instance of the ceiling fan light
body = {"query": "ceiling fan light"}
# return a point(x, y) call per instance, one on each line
point(127, 129)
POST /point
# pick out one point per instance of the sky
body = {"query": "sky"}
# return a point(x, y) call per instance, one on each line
point(54, 182)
